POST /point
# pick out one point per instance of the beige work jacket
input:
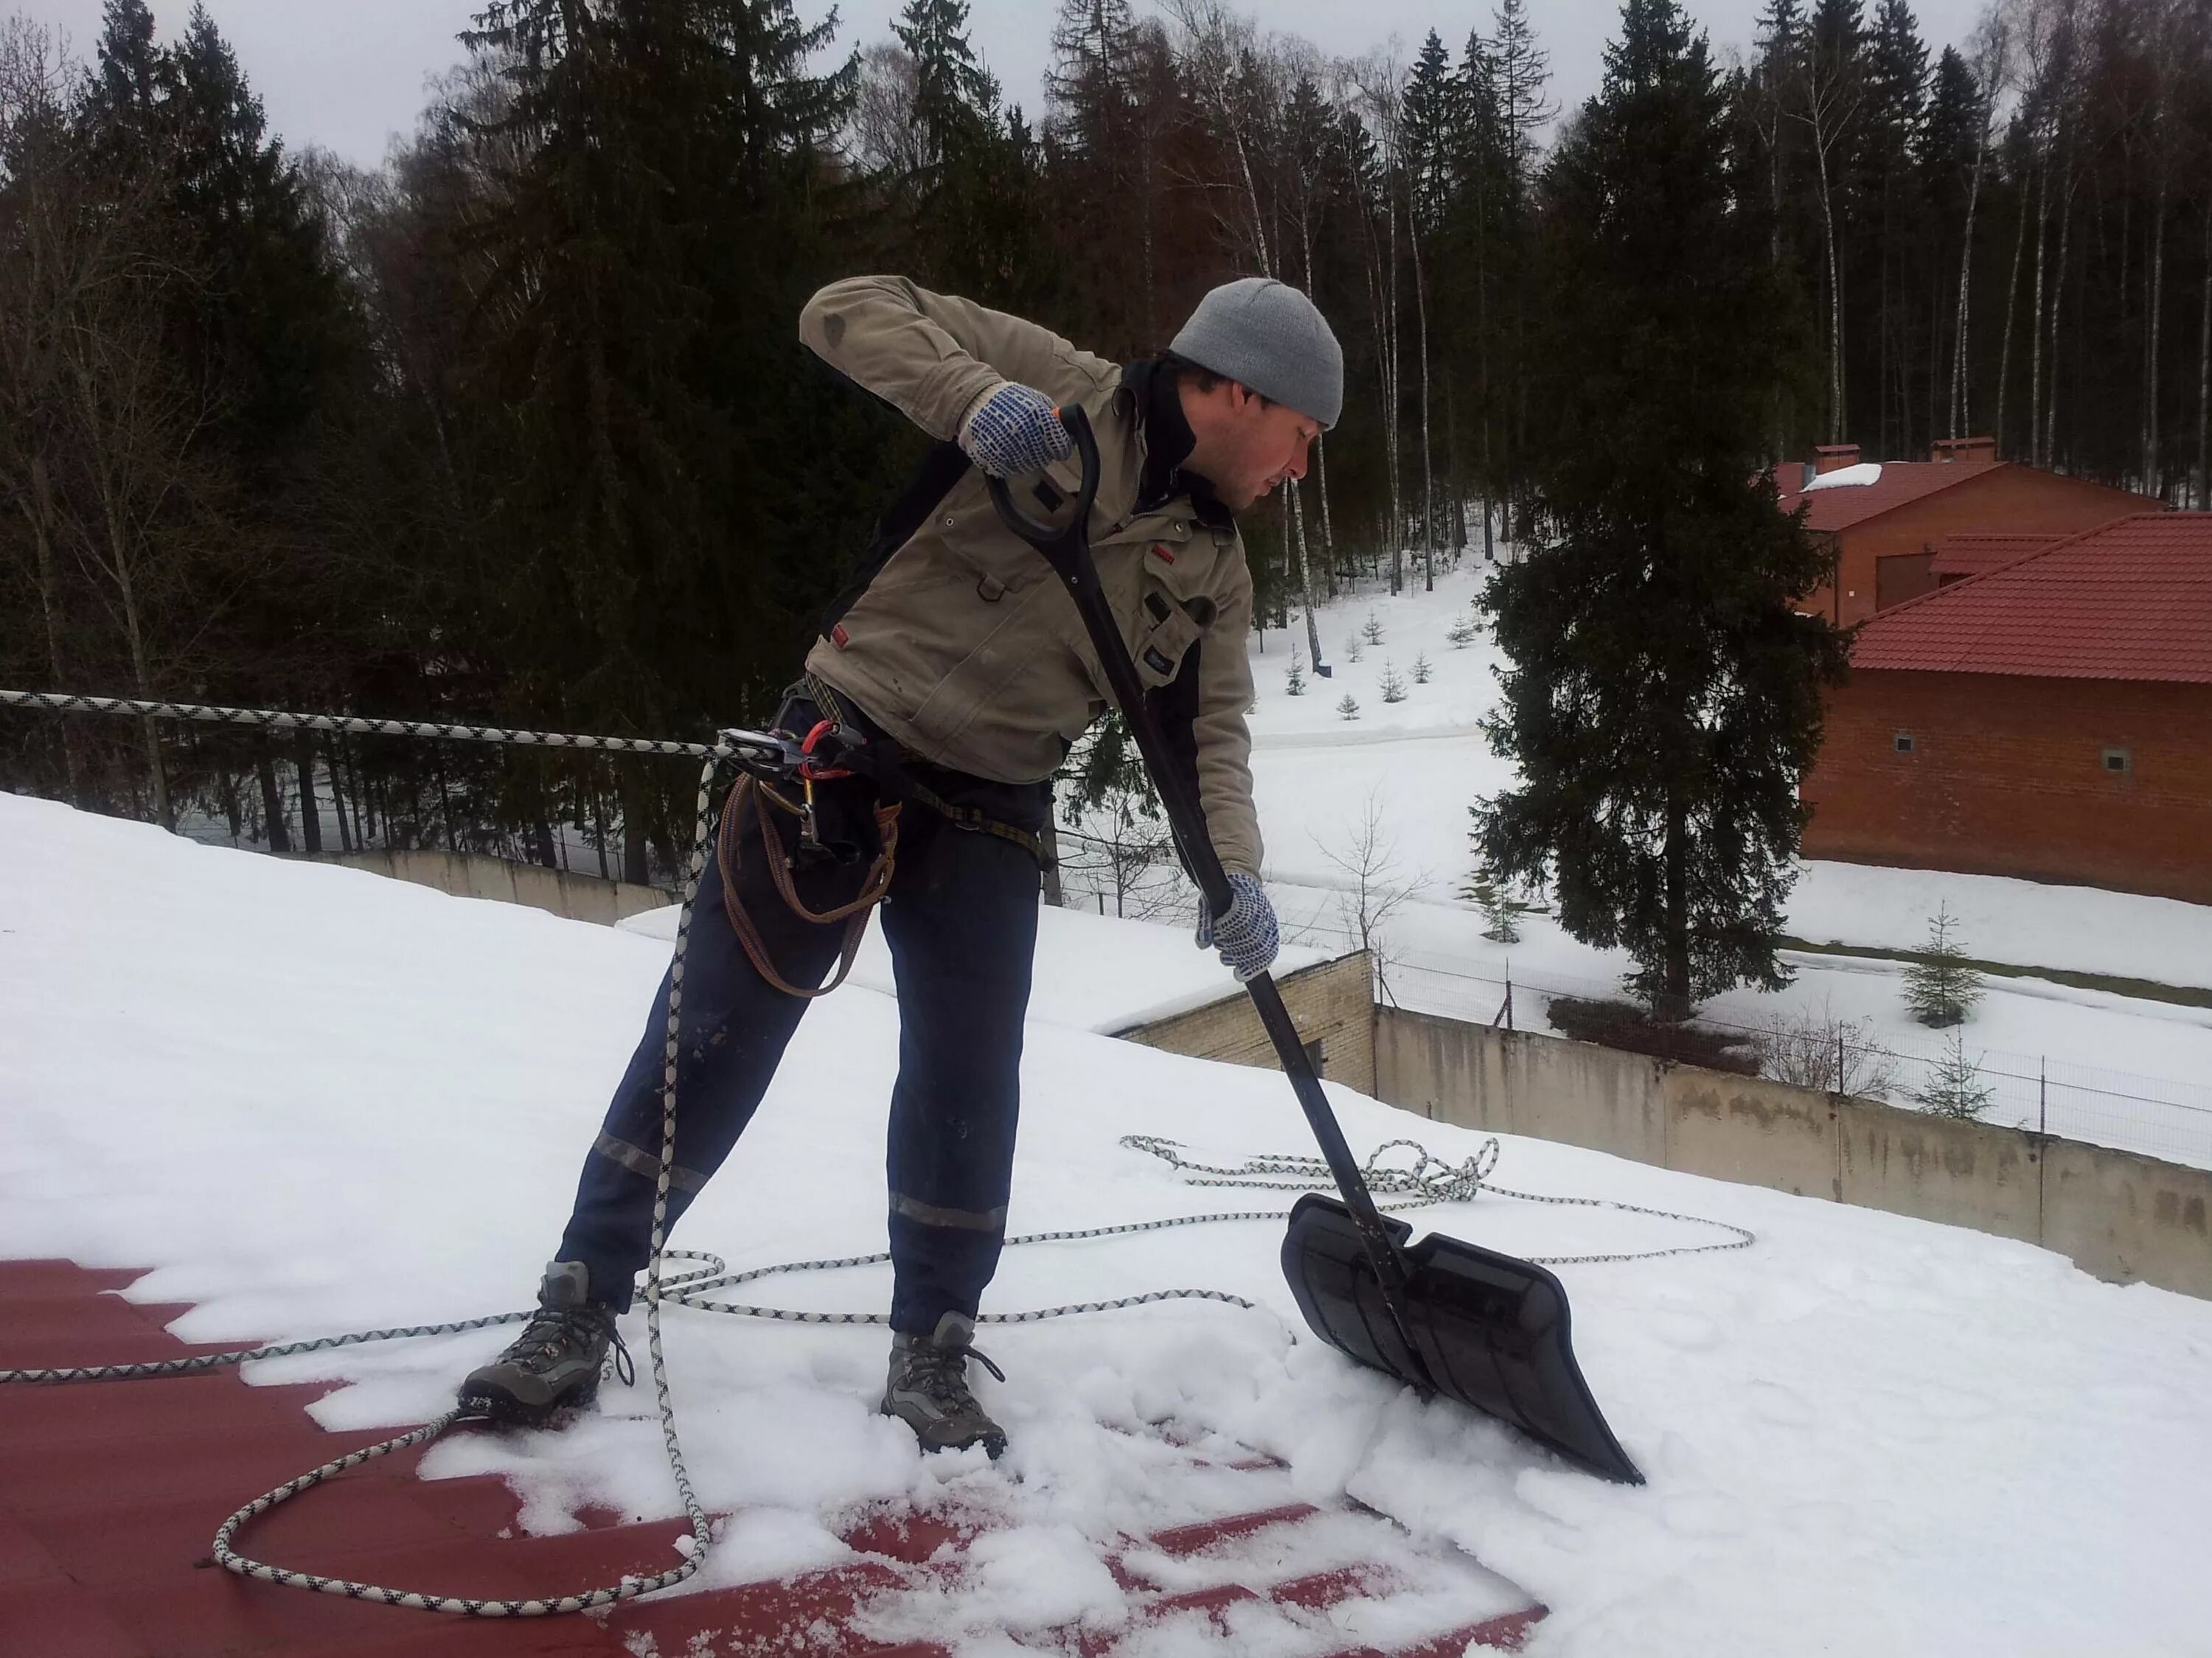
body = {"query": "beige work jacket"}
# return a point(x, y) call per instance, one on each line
point(964, 646)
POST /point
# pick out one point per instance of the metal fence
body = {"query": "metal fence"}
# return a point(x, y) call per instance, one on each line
point(2156, 1116)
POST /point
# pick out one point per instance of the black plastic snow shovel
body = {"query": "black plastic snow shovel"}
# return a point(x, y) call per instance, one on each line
point(1442, 1316)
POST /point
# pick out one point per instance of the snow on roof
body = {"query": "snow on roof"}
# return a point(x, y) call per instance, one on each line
point(2130, 600)
point(1848, 477)
point(316, 1100)
point(1093, 972)
point(1899, 483)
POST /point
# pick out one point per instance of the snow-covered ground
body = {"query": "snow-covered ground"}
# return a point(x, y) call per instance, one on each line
point(314, 1100)
point(2121, 1071)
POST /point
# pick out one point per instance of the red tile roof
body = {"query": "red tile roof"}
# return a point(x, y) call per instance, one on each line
point(1972, 553)
point(2131, 599)
point(1902, 482)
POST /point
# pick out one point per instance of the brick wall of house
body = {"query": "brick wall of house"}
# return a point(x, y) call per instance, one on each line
point(2007, 776)
point(2011, 498)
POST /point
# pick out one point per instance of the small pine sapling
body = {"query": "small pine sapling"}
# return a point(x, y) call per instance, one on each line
point(1941, 988)
point(1296, 685)
point(1350, 707)
point(1955, 1087)
point(1353, 650)
point(1394, 689)
point(1371, 629)
point(1500, 924)
point(1421, 669)
point(1462, 633)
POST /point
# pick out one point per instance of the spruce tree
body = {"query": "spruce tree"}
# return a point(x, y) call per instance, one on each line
point(1664, 696)
point(1955, 1087)
point(1891, 211)
point(661, 218)
point(1942, 988)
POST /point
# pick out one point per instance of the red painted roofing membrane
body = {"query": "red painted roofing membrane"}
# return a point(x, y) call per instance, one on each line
point(110, 1492)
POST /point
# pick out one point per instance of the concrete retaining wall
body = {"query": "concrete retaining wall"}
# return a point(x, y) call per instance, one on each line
point(2119, 1215)
point(1333, 1006)
point(476, 875)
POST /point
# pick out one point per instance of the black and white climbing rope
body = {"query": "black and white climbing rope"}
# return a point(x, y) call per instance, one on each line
point(1427, 1180)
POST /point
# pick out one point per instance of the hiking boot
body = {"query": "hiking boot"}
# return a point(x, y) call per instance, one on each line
point(555, 1364)
point(927, 1389)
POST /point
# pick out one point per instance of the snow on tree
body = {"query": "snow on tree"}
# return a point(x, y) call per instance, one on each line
point(1295, 684)
point(1394, 689)
point(1350, 707)
point(1422, 670)
point(1371, 629)
point(1463, 632)
point(1940, 988)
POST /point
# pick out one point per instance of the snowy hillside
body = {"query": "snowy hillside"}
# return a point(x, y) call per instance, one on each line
point(312, 1100)
point(2127, 1072)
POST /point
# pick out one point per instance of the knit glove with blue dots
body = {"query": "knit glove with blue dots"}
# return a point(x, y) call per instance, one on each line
point(1245, 933)
point(1014, 431)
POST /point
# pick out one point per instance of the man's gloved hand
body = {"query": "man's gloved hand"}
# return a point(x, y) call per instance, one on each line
point(1015, 430)
point(1245, 934)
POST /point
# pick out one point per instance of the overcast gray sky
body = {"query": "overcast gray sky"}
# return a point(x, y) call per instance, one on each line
point(347, 74)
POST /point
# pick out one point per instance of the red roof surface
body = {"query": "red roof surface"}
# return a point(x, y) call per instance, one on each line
point(111, 1492)
point(2131, 599)
point(1901, 483)
point(1972, 553)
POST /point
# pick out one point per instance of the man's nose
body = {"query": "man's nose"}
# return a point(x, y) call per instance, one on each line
point(1299, 458)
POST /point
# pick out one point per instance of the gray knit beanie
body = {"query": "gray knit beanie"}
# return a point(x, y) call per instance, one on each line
point(1271, 338)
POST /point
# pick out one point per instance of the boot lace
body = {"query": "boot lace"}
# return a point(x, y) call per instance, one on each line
point(554, 1330)
point(942, 1373)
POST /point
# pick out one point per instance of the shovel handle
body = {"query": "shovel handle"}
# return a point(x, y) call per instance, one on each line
point(1066, 547)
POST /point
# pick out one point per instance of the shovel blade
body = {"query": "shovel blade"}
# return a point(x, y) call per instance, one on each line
point(1488, 1330)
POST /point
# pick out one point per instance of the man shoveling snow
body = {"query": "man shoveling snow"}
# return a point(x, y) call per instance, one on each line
point(951, 679)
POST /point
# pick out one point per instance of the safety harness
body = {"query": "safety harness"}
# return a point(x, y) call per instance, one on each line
point(843, 744)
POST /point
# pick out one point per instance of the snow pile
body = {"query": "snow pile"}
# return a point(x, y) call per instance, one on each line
point(1847, 477)
point(313, 1101)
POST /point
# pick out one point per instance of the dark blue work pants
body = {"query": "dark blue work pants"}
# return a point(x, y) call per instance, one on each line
point(961, 920)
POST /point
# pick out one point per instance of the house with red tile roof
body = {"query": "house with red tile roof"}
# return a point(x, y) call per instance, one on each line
point(1886, 519)
point(2050, 718)
point(1959, 557)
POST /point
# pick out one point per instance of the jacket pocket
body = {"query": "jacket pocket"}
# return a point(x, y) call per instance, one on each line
point(1166, 623)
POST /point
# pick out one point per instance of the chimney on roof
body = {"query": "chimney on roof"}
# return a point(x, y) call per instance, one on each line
point(1964, 449)
point(1834, 457)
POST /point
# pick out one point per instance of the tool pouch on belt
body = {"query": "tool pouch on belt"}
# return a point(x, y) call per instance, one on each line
point(829, 850)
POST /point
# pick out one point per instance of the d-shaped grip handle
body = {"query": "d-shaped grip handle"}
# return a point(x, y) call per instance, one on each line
point(1057, 542)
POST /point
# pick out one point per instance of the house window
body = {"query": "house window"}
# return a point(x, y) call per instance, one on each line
point(2118, 760)
point(1905, 742)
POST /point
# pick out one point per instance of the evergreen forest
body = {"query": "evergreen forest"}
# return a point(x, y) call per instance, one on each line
point(516, 426)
